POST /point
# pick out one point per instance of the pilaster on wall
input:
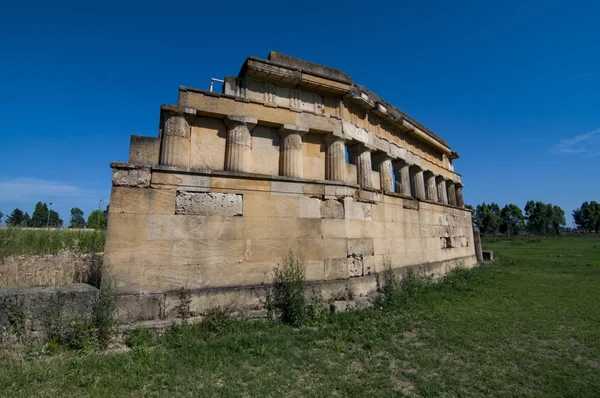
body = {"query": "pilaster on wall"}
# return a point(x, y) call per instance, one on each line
point(403, 181)
point(237, 151)
point(460, 201)
point(385, 173)
point(335, 158)
point(451, 193)
point(432, 193)
point(418, 182)
point(442, 190)
point(175, 150)
point(364, 166)
point(291, 150)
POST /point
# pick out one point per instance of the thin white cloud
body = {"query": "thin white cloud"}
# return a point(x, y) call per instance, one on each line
point(584, 75)
point(588, 143)
point(22, 189)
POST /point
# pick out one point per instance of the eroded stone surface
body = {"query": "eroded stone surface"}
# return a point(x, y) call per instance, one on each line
point(208, 204)
point(332, 209)
point(138, 177)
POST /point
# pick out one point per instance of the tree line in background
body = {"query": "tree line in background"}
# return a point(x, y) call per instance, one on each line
point(537, 218)
point(587, 217)
point(43, 217)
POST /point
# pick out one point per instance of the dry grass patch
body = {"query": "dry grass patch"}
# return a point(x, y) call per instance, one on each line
point(62, 268)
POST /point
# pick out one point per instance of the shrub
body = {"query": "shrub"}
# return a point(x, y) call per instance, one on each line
point(397, 292)
point(183, 308)
point(285, 299)
point(104, 319)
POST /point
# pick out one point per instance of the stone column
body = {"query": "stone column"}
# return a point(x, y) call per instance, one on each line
point(385, 174)
point(291, 150)
point(364, 167)
point(237, 150)
point(441, 190)
point(460, 201)
point(418, 182)
point(451, 193)
point(175, 149)
point(335, 158)
point(477, 244)
point(404, 179)
point(431, 186)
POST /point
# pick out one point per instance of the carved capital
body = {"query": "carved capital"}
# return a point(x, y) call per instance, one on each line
point(237, 120)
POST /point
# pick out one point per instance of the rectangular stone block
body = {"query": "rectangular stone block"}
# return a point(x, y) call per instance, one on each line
point(125, 227)
point(144, 150)
point(193, 251)
point(336, 268)
point(208, 204)
point(319, 249)
point(339, 192)
point(207, 143)
point(138, 177)
point(255, 227)
point(270, 206)
point(297, 228)
point(412, 204)
point(240, 185)
point(355, 267)
point(333, 228)
point(370, 265)
point(369, 196)
point(309, 207)
point(364, 229)
point(394, 230)
point(313, 190)
point(356, 210)
point(313, 270)
point(332, 209)
point(192, 227)
point(184, 182)
point(142, 201)
point(360, 247)
point(283, 188)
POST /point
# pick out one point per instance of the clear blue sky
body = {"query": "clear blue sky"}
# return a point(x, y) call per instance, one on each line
point(513, 86)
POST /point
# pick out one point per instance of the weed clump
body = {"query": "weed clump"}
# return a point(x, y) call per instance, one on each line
point(285, 300)
point(397, 292)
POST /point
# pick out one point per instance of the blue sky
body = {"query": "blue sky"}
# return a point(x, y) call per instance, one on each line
point(513, 86)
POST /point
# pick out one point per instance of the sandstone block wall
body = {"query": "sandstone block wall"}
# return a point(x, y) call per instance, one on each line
point(286, 158)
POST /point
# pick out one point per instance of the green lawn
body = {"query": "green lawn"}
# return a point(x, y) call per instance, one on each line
point(529, 325)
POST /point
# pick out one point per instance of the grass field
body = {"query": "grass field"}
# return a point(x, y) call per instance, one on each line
point(34, 241)
point(529, 325)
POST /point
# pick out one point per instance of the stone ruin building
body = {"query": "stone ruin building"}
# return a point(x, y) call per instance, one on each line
point(290, 155)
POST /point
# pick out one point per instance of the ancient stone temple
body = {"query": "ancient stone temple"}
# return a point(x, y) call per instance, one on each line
point(290, 155)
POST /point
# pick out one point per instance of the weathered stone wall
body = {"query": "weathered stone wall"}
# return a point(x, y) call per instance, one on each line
point(237, 230)
point(286, 158)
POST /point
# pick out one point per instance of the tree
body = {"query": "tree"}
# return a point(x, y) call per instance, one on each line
point(15, 219)
point(544, 218)
point(557, 218)
point(513, 220)
point(26, 220)
point(39, 218)
point(96, 220)
point(1, 215)
point(587, 217)
point(77, 220)
point(487, 218)
point(54, 220)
